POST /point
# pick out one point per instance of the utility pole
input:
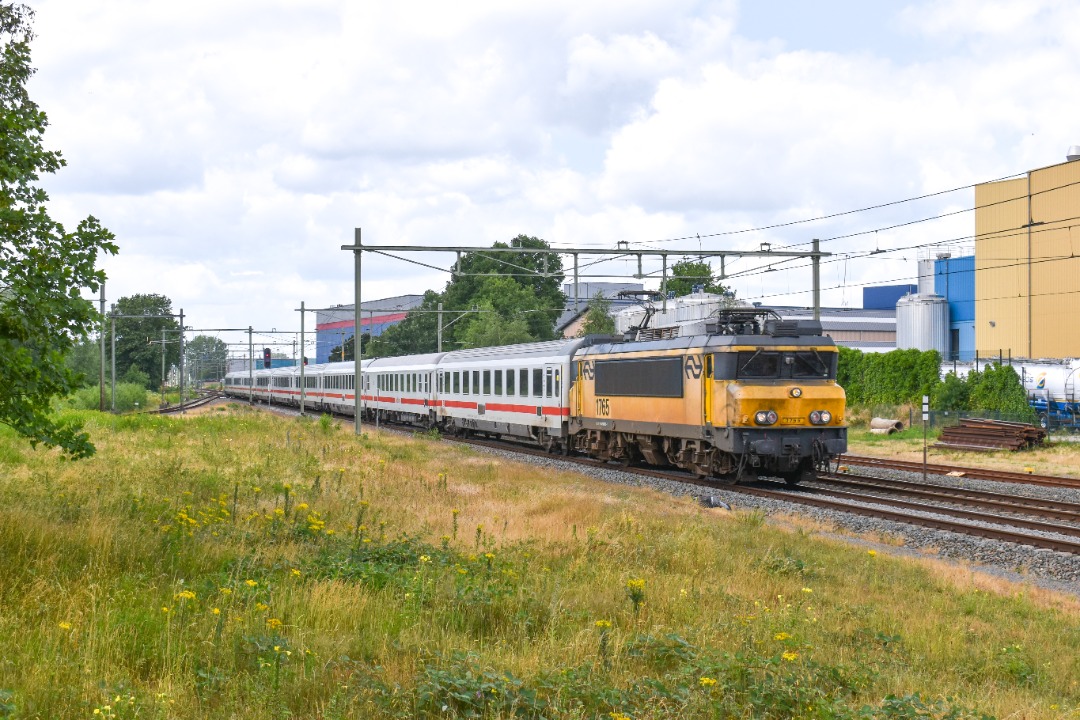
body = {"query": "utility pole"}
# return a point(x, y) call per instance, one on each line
point(101, 365)
point(112, 373)
point(162, 367)
point(359, 382)
point(440, 325)
point(251, 369)
point(815, 260)
point(181, 361)
point(303, 395)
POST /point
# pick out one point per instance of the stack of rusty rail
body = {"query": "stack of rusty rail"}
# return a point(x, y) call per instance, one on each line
point(977, 434)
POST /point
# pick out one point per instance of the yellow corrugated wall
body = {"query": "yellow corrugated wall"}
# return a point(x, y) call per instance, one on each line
point(1027, 278)
point(1055, 263)
point(1001, 282)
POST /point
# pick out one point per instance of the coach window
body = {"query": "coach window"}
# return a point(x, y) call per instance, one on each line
point(487, 382)
point(475, 382)
point(510, 382)
point(499, 379)
point(538, 382)
point(523, 382)
point(457, 383)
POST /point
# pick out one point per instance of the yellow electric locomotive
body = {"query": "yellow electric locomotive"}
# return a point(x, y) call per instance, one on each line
point(755, 395)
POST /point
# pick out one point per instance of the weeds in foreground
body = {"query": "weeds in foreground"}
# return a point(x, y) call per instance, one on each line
point(236, 565)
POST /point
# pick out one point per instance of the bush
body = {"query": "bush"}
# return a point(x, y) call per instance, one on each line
point(129, 396)
point(892, 378)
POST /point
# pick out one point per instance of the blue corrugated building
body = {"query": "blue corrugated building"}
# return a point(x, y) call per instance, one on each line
point(884, 297)
point(954, 280)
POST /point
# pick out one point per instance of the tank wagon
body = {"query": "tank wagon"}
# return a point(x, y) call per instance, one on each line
point(754, 395)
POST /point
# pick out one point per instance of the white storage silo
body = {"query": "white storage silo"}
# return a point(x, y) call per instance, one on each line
point(922, 323)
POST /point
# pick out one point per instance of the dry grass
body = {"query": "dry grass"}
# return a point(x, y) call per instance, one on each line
point(345, 573)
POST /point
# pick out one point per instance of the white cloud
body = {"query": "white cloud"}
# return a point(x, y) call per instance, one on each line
point(234, 146)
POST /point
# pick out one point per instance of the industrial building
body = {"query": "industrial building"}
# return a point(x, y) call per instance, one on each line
point(1026, 267)
point(335, 325)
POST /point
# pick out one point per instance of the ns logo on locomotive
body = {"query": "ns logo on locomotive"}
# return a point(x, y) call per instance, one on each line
point(753, 395)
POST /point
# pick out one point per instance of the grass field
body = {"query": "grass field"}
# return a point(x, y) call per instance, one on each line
point(237, 564)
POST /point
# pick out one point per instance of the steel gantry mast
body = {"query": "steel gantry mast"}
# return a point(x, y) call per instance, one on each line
point(623, 251)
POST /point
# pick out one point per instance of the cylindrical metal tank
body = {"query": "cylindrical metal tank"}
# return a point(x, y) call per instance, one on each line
point(926, 276)
point(922, 323)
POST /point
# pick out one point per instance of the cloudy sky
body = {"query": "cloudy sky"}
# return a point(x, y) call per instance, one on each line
point(233, 145)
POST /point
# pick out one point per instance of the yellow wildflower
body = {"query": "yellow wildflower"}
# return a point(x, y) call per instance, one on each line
point(295, 572)
point(603, 624)
point(185, 595)
point(781, 636)
point(789, 656)
point(251, 583)
point(872, 553)
point(262, 607)
point(216, 611)
point(273, 623)
point(707, 681)
point(807, 590)
point(65, 626)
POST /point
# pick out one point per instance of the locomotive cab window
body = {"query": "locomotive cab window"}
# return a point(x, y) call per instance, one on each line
point(812, 364)
point(764, 364)
point(758, 364)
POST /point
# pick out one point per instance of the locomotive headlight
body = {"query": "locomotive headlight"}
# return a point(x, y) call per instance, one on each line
point(820, 417)
point(826, 417)
point(765, 417)
point(815, 417)
point(796, 392)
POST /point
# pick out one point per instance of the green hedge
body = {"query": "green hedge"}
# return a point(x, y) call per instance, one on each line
point(892, 378)
point(903, 376)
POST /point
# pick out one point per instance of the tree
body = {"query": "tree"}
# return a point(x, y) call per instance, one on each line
point(43, 268)
point(491, 329)
point(598, 320)
point(205, 357)
point(688, 273)
point(85, 361)
point(138, 337)
point(540, 274)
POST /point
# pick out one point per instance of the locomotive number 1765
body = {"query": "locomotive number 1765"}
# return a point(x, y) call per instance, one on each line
point(603, 407)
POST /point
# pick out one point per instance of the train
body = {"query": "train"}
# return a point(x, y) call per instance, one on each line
point(754, 395)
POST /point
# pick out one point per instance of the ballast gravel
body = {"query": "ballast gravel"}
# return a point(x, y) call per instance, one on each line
point(1018, 563)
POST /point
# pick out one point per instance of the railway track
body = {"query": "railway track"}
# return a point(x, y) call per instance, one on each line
point(1035, 507)
point(1001, 528)
point(207, 397)
point(956, 471)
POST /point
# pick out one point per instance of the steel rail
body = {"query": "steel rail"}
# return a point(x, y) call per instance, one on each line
point(977, 473)
point(976, 498)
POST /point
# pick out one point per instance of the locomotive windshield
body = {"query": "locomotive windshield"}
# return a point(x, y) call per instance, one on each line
point(770, 364)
